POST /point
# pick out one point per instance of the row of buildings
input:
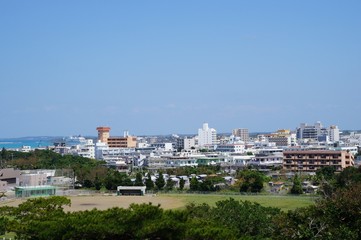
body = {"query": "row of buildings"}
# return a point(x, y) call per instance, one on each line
point(207, 148)
point(305, 150)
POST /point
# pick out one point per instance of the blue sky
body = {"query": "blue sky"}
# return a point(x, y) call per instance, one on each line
point(161, 67)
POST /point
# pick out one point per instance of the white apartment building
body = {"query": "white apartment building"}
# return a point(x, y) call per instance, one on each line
point(206, 136)
point(87, 149)
point(111, 154)
point(334, 133)
point(233, 148)
point(163, 146)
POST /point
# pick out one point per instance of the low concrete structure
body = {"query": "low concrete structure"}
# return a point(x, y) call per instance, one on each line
point(9, 175)
point(131, 190)
point(34, 191)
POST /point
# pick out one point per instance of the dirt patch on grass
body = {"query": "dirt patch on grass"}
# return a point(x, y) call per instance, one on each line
point(82, 203)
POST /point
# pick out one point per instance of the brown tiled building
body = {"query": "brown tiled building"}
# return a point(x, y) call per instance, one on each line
point(116, 142)
point(312, 160)
point(122, 142)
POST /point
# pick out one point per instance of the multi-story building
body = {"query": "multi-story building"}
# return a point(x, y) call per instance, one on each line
point(281, 138)
point(313, 160)
point(334, 133)
point(162, 162)
point(162, 146)
point(309, 131)
point(116, 142)
point(87, 150)
point(242, 133)
point(234, 148)
point(186, 143)
point(206, 136)
point(103, 134)
point(122, 142)
point(318, 133)
point(268, 158)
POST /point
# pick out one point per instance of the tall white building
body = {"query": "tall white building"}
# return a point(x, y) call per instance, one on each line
point(334, 133)
point(87, 150)
point(206, 136)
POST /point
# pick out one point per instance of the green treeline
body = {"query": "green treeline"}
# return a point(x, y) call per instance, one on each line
point(44, 218)
point(44, 159)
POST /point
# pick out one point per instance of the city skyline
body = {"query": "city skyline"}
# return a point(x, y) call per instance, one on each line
point(162, 68)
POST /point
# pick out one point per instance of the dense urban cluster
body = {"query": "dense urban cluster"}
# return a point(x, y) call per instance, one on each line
point(310, 160)
point(181, 160)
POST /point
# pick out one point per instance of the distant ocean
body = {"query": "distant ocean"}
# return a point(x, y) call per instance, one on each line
point(33, 142)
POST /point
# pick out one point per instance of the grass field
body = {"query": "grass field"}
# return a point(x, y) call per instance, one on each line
point(176, 201)
point(285, 203)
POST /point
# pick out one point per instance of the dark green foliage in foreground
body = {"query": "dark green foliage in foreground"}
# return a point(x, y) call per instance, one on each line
point(335, 217)
point(44, 218)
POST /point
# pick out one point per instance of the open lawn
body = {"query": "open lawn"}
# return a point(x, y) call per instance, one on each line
point(175, 201)
point(283, 202)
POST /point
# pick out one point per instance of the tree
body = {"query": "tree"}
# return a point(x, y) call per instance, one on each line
point(138, 179)
point(251, 181)
point(97, 183)
point(170, 184)
point(246, 218)
point(149, 182)
point(3, 225)
point(326, 173)
point(206, 185)
point(38, 218)
point(335, 217)
point(181, 184)
point(194, 184)
point(160, 182)
point(115, 179)
point(348, 177)
point(297, 186)
point(4, 154)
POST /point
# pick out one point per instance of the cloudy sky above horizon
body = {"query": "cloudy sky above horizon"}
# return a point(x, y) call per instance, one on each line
point(161, 67)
